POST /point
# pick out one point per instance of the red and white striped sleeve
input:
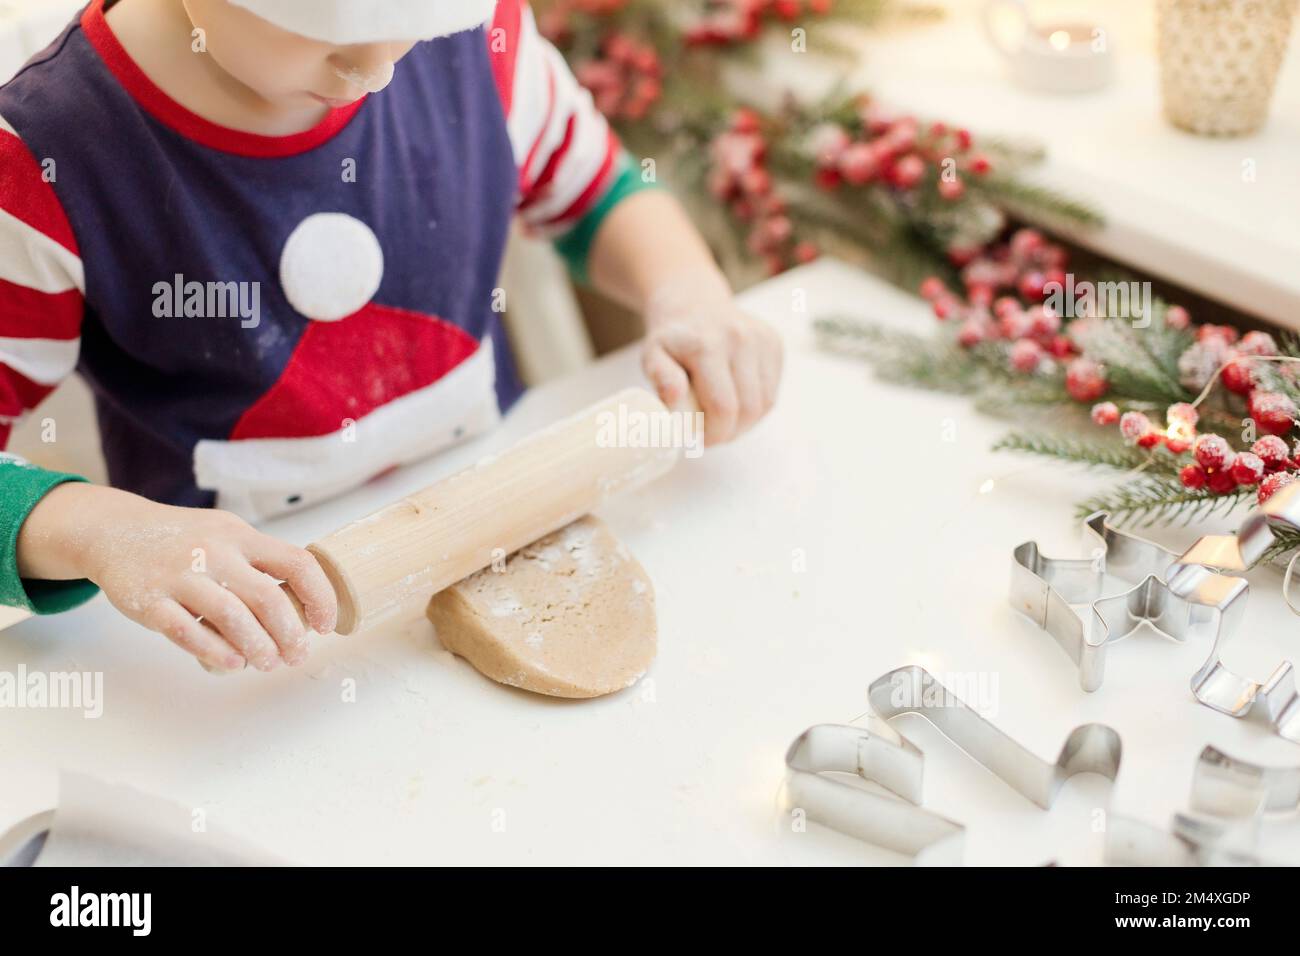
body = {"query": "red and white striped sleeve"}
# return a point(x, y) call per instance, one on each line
point(42, 284)
point(565, 151)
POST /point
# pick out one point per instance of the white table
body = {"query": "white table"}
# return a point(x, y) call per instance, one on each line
point(1176, 205)
point(906, 562)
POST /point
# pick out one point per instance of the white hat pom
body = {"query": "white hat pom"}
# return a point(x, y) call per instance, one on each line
point(345, 22)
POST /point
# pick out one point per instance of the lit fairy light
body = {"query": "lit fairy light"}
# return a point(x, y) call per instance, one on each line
point(987, 486)
point(1059, 39)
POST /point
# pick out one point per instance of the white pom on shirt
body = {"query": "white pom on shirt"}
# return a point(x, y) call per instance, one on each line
point(331, 266)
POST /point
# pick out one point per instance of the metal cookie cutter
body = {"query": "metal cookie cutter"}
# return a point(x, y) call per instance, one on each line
point(1215, 685)
point(881, 755)
point(1044, 589)
point(1228, 802)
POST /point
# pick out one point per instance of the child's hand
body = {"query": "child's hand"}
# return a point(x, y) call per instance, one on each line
point(703, 342)
point(165, 567)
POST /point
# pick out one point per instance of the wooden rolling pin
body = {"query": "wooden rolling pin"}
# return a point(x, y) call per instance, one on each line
point(429, 540)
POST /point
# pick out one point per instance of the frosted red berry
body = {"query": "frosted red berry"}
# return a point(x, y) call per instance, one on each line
point(1274, 413)
point(1105, 413)
point(1274, 483)
point(1134, 426)
point(1272, 451)
point(1247, 468)
point(1193, 476)
point(1211, 451)
point(1085, 380)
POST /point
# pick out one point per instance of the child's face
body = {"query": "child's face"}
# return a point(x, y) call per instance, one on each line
point(289, 70)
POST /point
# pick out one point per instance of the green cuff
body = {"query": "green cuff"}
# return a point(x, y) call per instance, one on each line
point(575, 245)
point(21, 487)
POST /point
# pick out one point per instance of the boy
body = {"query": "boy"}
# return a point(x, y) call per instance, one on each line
point(279, 282)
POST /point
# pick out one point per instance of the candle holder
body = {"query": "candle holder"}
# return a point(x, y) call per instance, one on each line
point(1053, 57)
point(1219, 61)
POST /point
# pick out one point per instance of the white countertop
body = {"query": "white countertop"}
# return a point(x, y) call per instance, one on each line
point(1176, 204)
point(906, 562)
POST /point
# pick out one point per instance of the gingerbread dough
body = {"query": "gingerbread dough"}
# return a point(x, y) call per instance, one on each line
point(571, 615)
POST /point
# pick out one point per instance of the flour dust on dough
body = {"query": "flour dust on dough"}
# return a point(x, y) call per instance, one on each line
point(571, 615)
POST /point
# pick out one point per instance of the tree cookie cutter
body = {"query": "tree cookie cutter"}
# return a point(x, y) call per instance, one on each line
point(883, 756)
point(1229, 799)
point(1180, 600)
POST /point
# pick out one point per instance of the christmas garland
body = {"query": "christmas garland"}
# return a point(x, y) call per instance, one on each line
point(1197, 417)
point(775, 187)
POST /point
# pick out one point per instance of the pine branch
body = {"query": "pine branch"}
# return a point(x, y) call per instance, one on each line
point(1114, 455)
point(1149, 500)
point(1027, 200)
point(1286, 541)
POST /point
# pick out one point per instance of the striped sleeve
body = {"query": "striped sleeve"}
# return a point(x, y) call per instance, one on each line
point(567, 156)
point(41, 304)
point(42, 284)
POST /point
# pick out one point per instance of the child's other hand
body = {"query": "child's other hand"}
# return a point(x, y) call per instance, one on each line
point(165, 567)
point(703, 342)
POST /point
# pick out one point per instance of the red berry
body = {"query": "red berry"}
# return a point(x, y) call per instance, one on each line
point(1005, 305)
point(1247, 468)
point(1015, 325)
point(745, 121)
point(1221, 482)
point(972, 332)
point(1274, 483)
point(1085, 380)
point(1176, 317)
point(908, 171)
point(1225, 332)
point(1149, 440)
point(980, 165)
point(980, 295)
point(1026, 242)
point(1272, 451)
point(1257, 343)
point(1193, 476)
point(1031, 286)
point(858, 164)
point(932, 288)
point(806, 252)
point(1134, 426)
point(1061, 346)
point(1105, 413)
point(1026, 355)
point(1184, 412)
point(1043, 322)
point(944, 307)
point(827, 178)
point(1274, 413)
point(1238, 375)
point(1212, 451)
point(1177, 444)
point(951, 189)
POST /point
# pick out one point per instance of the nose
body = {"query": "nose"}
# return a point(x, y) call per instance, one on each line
point(369, 67)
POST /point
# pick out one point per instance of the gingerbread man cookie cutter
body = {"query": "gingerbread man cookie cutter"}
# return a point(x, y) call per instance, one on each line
point(1229, 801)
point(883, 756)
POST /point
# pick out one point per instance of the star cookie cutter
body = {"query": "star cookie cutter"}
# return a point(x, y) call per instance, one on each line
point(1197, 603)
point(1229, 800)
point(883, 756)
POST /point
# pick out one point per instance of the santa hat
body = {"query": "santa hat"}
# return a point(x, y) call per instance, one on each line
point(344, 22)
